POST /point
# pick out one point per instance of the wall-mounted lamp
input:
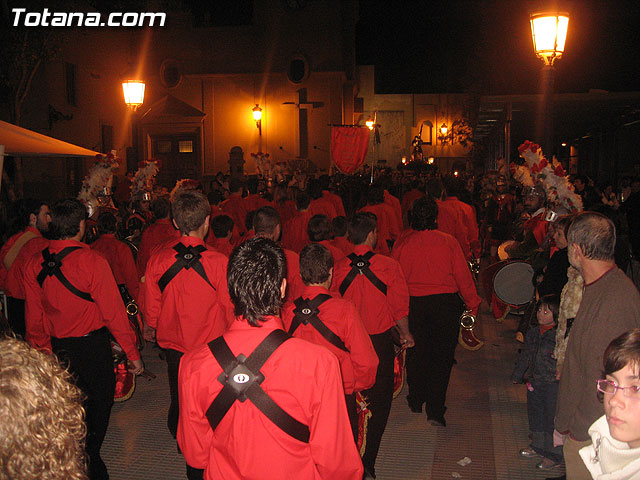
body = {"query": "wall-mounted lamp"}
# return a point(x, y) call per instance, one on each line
point(257, 116)
point(133, 90)
point(369, 123)
point(445, 134)
point(430, 160)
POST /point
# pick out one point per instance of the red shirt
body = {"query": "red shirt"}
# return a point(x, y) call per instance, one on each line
point(335, 200)
point(294, 232)
point(451, 220)
point(155, 235)
point(236, 209)
point(294, 280)
point(188, 313)
point(322, 206)
point(386, 226)
point(394, 203)
point(303, 379)
point(336, 253)
point(30, 232)
point(378, 312)
point(15, 276)
point(286, 209)
point(538, 226)
point(53, 311)
point(343, 244)
point(433, 263)
point(471, 223)
point(254, 202)
point(120, 259)
point(359, 365)
point(222, 245)
point(409, 197)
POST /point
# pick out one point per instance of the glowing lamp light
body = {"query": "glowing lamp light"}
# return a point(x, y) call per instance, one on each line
point(564, 144)
point(404, 160)
point(430, 160)
point(257, 116)
point(456, 173)
point(369, 124)
point(444, 129)
point(133, 93)
point(549, 33)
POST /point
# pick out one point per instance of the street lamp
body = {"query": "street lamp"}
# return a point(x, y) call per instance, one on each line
point(549, 34)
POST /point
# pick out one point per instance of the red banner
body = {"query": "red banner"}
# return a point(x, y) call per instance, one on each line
point(349, 146)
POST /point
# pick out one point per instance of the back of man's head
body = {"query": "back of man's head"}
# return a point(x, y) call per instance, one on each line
point(435, 188)
point(254, 275)
point(453, 185)
point(316, 262)
point(360, 226)
point(107, 223)
point(266, 220)
point(339, 226)
point(302, 201)
point(319, 228)
point(375, 195)
point(314, 189)
point(594, 234)
point(160, 207)
point(190, 209)
point(424, 214)
point(221, 225)
point(25, 208)
point(66, 216)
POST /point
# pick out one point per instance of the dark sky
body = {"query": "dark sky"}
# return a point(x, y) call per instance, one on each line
point(484, 46)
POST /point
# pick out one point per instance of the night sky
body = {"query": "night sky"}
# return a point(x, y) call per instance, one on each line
point(485, 47)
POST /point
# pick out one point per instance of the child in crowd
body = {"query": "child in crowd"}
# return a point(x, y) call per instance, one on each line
point(537, 363)
point(615, 449)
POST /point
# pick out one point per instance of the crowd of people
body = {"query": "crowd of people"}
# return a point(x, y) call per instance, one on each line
point(280, 311)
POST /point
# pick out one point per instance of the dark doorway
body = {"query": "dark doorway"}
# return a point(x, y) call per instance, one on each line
point(179, 157)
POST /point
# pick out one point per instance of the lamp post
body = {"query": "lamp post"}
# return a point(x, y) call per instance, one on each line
point(549, 34)
point(133, 90)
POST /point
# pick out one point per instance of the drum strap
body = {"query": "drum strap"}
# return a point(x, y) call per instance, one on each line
point(241, 378)
point(52, 267)
point(361, 265)
point(186, 258)
point(306, 312)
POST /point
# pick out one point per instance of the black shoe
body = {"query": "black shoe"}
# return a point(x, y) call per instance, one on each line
point(368, 475)
point(414, 406)
point(437, 422)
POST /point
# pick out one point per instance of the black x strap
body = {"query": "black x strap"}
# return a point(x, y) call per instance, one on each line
point(306, 312)
point(241, 378)
point(51, 268)
point(361, 265)
point(187, 257)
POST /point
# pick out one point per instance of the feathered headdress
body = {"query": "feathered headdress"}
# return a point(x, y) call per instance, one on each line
point(98, 180)
point(144, 177)
point(551, 176)
point(183, 185)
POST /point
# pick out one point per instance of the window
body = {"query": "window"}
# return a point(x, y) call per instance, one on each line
point(70, 81)
point(185, 146)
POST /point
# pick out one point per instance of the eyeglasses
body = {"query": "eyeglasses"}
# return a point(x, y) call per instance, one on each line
point(609, 387)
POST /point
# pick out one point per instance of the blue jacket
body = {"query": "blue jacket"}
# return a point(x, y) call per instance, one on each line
point(536, 360)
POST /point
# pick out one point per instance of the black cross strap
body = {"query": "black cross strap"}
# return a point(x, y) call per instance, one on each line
point(187, 257)
point(361, 265)
point(51, 267)
point(241, 378)
point(306, 312)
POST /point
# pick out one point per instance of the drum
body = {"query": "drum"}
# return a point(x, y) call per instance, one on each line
point(513, 283)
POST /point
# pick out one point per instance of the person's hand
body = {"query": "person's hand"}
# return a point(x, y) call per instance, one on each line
point(405, 335)
point(149, 333)
point(136, 366)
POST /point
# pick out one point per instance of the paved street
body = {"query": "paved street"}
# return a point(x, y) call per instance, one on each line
point(486, 422)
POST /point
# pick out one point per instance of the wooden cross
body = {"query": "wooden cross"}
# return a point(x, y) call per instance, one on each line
point(303, 121)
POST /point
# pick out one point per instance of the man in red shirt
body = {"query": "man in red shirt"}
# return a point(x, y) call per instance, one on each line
point(34, 216)
point(336, 325)
point(387, 229)
point(336, 200)
point(339, 228)
point(117, 253)
point(416, 192)
point(319, 231)
point(266, 223)
point(157, 234)
point(235, 207)
point(454, 188)
point(451, 219)
point(376, 285)
point(219, 237)
point(437, 275)
point(279, 412)
point(186, 302)
point(294, 232)
point(72, 305)
point(319, 205)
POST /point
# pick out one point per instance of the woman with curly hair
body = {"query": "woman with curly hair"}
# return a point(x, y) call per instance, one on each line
point(42, 427)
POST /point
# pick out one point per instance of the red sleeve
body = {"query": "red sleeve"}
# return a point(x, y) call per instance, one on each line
point(398, 292)
point(129, 270)
point(109, 302)
point(34, 312)
point(152, 295)
point(464, 279)
point(361, 352)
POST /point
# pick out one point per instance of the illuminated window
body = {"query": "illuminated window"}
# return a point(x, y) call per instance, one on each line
point(185, 146)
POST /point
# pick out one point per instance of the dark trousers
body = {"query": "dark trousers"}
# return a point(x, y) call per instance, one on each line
point(90, 361)
point(15, 317)
point(541, 410)
point(434, 322)
point(352, 411)
point(379, 397)
point(173, 365)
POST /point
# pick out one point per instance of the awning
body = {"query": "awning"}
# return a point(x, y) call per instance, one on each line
point(20, 142)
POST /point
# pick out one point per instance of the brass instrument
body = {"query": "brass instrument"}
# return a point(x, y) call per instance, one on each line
point(474, 265)
point(132, 308)
point(467, 320)
point(466, 337)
